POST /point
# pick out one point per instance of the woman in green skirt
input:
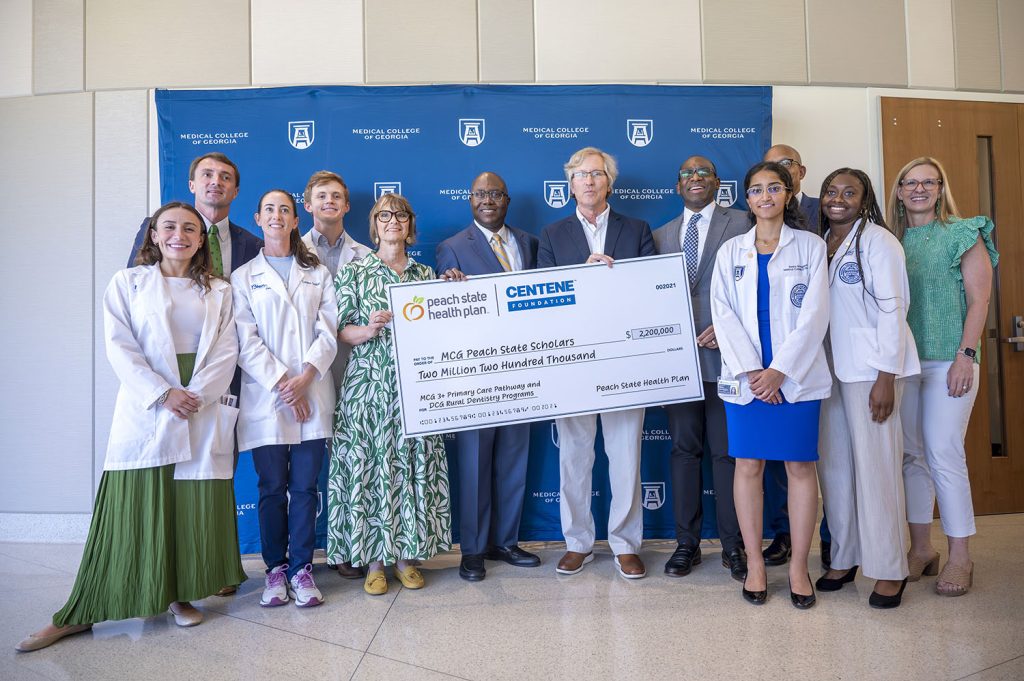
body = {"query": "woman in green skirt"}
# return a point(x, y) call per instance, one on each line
point(163, 530)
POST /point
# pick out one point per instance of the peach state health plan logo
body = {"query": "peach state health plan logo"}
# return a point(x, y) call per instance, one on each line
point(413, 310)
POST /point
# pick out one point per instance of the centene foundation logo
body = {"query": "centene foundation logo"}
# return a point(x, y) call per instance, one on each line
point(414, 310)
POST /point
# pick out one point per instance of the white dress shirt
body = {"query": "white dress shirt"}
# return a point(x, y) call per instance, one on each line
point(510, 243)
point(703, 226)
point(595, 232)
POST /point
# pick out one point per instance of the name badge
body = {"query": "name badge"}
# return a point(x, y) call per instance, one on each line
point(728, 388)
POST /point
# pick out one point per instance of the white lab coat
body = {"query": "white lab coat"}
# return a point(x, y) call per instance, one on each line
point(136, 309)
point(799, 314)
point(868, 329)
point(279, 330)
point(352, 251)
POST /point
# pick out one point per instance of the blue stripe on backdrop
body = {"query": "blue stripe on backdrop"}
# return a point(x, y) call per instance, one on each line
point(429, 143)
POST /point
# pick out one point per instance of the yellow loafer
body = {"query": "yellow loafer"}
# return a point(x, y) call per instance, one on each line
point(410, 577)
point(376, 583)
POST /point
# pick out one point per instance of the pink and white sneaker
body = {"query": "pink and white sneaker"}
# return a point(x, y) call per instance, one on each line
point(275, 592)
point(303, 589)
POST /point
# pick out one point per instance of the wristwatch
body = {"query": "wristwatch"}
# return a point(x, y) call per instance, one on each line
point(970, 353)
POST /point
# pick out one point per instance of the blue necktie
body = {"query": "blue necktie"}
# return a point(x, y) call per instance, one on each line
point(690, 243)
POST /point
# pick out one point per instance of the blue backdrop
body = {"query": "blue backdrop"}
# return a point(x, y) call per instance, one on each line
point(429, 143)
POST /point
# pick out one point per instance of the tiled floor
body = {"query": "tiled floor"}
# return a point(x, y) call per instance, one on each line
point(530, 623)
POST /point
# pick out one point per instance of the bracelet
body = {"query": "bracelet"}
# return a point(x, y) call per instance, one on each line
point(163, 398)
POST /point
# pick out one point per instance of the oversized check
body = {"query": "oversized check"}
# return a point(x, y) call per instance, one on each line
point(538, 344)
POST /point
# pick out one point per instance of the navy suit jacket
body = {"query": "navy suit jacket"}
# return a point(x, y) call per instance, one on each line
point(244, 245)
point(811, 208)
point(564, 242)
point(470, 252)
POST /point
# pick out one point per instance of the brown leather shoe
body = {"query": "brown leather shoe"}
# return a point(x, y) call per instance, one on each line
point(227, 591)
point(630, 566)
point(348, 572)
point(572, 562)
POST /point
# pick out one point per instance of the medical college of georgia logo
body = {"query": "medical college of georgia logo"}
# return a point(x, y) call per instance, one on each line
point(556, 193)
point(652, 495)
point(849, 273)
point(726, 195)
point(382, 188)
point(413, 310)
point(472, 131)
point(796, 295)
point(301, 133)
point(640, 131)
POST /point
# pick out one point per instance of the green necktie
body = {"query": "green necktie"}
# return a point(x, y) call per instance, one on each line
point(215, 255)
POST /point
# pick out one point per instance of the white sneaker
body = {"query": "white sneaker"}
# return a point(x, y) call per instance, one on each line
point(276, 590)
point(303, 588)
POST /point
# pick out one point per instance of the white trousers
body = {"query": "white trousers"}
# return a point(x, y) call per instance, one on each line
point(576, 436)
point(934, 459)
point(861, 475)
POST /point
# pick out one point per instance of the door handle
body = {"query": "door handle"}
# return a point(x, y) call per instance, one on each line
point(1018, 340)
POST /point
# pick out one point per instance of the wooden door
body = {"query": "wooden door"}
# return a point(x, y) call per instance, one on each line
point(981, 146)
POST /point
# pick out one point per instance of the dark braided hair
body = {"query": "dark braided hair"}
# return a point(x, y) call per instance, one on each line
point(869, 212)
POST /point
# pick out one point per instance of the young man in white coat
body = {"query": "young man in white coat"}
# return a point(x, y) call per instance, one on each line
point(492, 461)
point(326, 199)
point(697, 233)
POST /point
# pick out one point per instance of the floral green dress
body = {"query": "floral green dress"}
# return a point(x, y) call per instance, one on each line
point(387, 495)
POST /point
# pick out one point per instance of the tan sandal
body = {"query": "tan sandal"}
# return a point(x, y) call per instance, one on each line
point(917, 567)
point(959, 579)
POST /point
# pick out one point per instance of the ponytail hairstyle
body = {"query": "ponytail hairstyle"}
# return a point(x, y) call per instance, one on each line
point(306, 258)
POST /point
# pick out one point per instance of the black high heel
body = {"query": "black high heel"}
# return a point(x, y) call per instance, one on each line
point(801, 601)
point(755, 597)
point(877, 600)
point(826, 584)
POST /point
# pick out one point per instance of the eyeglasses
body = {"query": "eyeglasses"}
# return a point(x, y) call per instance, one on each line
point(580, 174)
point(400, 215)
point(687, 173)
point(928, 185)
point(493, 194)
point(772, 189)
point(788, 162)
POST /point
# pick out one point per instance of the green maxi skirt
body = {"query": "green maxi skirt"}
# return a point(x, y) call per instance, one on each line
point(153, 541)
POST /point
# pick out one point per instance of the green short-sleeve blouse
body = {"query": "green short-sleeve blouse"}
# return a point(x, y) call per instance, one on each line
point(938, 302)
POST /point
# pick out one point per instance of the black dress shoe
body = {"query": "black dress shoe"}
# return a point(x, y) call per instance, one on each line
point(779, 550)
point(513, 555)
point(877, 600)
point(755, 597)
point(471, 568)
point(826, 584)
point(682, 561)
point(801, 601)
point(736, 561)
point(826, 554)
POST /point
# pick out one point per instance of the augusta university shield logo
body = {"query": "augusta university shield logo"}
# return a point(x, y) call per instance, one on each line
point(382, 188)
point(653, 495)
point(472, 131)
point(640, 131)
point(301, 133)
point(726, 195)
point(556, 193)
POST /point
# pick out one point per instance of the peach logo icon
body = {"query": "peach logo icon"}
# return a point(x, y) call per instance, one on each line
point(414, 310)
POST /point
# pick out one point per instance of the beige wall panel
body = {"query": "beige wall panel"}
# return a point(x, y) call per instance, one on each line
point(833, 31)
point(325, 47)
point(153, 43)
point(976, 35)
point(121, 164)
point(506, 41)
point(1011, 41)
point(15, 48)
point(746, 41)
point(48, 336)
point(58, 46)
point(930, 62)
point(613, 41)
point(826, 141)
point(411, 41)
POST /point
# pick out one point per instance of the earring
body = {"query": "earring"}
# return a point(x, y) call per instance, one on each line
point(409, 240)
point(899, 208)
point(938, 206)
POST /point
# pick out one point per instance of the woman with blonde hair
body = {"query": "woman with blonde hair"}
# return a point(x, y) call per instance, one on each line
point(949, 265)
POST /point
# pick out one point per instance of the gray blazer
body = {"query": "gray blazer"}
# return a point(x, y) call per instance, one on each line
point(726, 223)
